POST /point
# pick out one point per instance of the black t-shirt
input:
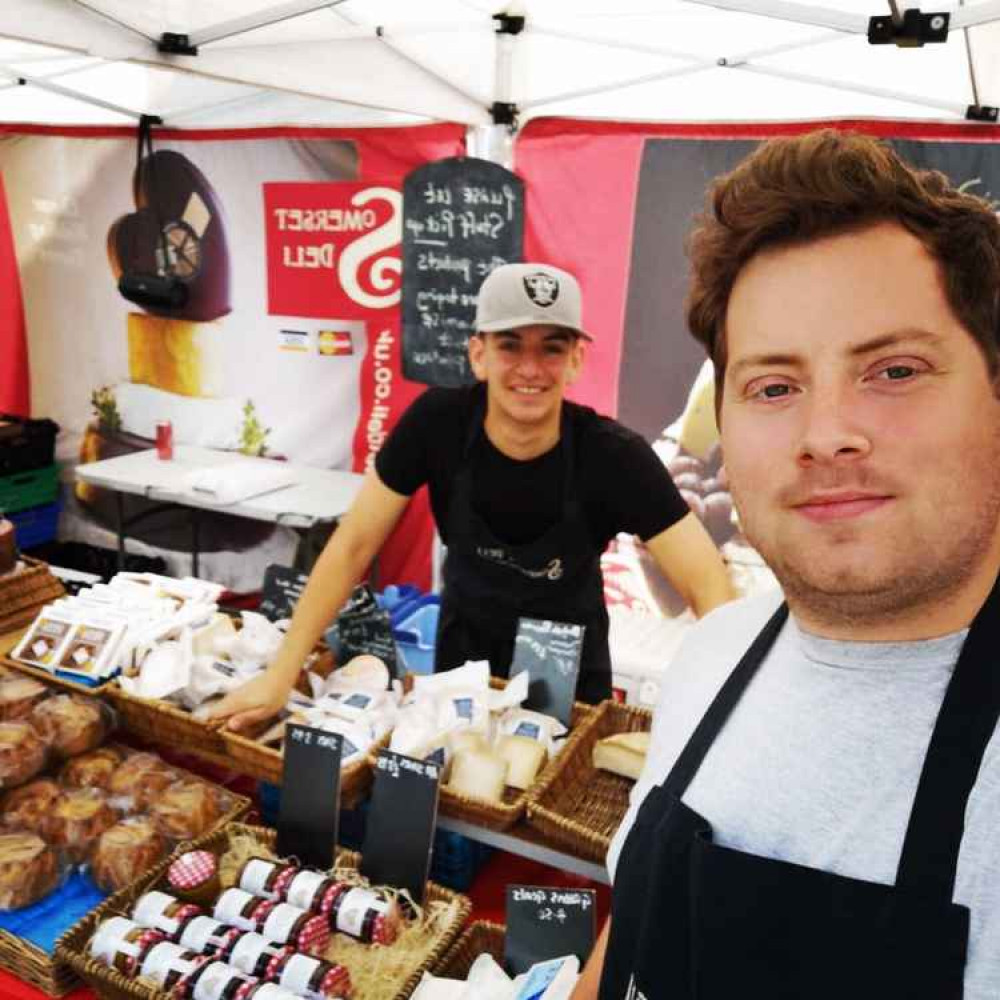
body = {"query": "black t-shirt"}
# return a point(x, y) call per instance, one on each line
point(620, 482)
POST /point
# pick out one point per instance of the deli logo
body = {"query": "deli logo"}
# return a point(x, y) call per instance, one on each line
point(333, 248)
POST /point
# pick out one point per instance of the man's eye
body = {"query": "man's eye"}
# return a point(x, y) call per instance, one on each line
point(896, 372)
point(776, 390)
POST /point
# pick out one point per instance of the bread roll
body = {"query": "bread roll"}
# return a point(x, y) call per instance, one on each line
point(29, 870)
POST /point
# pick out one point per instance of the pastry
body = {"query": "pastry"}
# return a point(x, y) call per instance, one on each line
point(77, 820)
point(71, 723)
point(27, 807)
point(22, 753)
point(91, 770)
point(29, 869)
point(139, 780)
point(185, 810)
point(19, 695)
point(124, 851)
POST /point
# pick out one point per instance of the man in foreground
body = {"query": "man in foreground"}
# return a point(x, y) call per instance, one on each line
point(819, 815)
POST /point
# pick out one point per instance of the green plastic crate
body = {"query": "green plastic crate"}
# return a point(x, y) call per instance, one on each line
point(29, 489)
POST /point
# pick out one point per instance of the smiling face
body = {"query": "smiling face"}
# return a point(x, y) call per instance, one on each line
point(526, 371)
point(861, 434)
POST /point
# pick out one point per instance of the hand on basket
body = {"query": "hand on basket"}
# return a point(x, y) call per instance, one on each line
point(256, 701)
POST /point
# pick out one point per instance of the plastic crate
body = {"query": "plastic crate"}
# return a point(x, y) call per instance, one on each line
point(415, 635)
point(36, 525)
point(26, 444)
point(456, 860)
point(31, 488)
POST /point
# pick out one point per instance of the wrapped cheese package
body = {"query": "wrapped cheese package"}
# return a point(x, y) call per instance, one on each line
point(525, 757)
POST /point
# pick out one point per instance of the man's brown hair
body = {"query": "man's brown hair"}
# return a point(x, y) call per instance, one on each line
point(824, 183)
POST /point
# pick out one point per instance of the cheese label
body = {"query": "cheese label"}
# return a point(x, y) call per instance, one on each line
point(255, 874)
point(297, 972)
point(281, 921)
point(302, 890)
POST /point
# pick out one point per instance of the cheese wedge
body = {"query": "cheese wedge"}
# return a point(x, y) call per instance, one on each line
point(525, 758)
point(623, 754)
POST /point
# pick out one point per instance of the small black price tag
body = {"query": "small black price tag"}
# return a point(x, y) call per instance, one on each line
point(550, 652)
point(400, 828)
point(364, 627)
point(310, 796)
point(545, 923)
point(283, 587)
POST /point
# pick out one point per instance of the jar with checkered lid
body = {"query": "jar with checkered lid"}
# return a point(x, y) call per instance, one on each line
point(314, 978)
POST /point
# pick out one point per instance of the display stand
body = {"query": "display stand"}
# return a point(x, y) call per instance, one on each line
point(521, 839)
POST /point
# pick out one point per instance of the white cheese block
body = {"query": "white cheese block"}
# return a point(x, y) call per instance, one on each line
point(525, 758)
point(623, 753)
point(479, 775)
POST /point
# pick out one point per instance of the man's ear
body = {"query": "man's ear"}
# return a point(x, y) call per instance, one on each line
point(577, 355)
point(477, 356)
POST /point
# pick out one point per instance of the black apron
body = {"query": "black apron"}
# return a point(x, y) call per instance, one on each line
point(695, 919)
point(489, 584)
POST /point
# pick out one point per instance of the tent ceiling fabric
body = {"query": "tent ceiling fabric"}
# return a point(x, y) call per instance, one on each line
point(371, 62)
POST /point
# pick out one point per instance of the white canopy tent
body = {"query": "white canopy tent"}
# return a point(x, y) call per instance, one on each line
point(370, 62)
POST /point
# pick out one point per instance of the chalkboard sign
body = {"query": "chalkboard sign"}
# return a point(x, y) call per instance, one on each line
point(283, 587)
point(363, 627)
point(462, 217)
point(545, 923)
point(400, 829)
point(550, 652)
point(310, 796)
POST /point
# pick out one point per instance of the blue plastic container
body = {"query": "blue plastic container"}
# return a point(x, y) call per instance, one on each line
point(415, 634)
point(36, 525)
point(456, 860)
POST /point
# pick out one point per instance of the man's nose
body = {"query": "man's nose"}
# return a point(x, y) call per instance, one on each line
point(832, 428)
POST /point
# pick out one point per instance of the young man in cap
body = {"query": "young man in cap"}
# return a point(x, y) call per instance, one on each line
point(819, 815)
point(526, 488)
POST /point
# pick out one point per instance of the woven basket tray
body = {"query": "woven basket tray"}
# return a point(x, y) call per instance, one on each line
point(480, 936)
point(161, 722)
point(47, 677)
point(51, 974)
point(109, 983)
point(503, 815)
point(24, 594)
point(576, 805)
point(250, 757)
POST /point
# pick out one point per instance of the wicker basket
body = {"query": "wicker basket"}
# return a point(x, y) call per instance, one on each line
point(576, 805)
point(51, 974)
point(161, 722)
point(109, 983)
point(480, 936)
point(24, 594)
point(503, 815)
point(250, 757)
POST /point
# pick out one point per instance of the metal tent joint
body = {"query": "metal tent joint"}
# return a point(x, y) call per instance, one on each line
point(173, 44)
point(915, 29)
point(509, 24)
point(504, 113)
point(982, 113)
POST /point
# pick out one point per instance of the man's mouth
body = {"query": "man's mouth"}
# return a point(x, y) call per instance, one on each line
point(839, 506)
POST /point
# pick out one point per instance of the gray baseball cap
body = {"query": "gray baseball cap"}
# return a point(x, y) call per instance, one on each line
point(516, 295)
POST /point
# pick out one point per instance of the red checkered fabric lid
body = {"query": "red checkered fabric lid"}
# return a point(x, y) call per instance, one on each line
point(314, 936)
point(192, 869)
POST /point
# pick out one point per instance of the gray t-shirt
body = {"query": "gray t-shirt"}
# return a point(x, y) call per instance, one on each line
point(819, 762)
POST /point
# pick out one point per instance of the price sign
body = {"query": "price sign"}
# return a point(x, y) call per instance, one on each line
point(310, 796)
point(283, 587)
point(462, 217)
point(550, 652)
point(363, 627)
point(545, 923)
point(400, 829)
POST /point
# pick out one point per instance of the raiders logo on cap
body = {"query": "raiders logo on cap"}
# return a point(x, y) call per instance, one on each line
point(542, 288)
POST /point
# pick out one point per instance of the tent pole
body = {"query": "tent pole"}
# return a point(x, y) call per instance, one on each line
point(892, 95)
point(42, 83)
point(118, 22)
point(269, 16)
